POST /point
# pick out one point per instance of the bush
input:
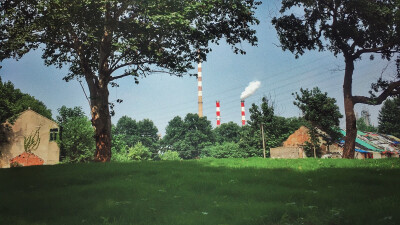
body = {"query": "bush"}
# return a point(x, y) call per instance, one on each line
point(309, 149)
point(77, 143)
point(119, 149)
point(139, 152)
point(170, 155)
point(15, 164)
point(225, 150)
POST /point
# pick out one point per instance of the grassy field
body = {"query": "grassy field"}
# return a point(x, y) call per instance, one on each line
point(206, 191)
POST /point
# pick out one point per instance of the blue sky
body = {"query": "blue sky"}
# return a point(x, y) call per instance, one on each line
point(160, 97)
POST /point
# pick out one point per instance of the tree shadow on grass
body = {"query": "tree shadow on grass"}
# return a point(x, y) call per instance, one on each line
point(200, 192)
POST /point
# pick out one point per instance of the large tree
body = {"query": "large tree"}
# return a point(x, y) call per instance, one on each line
point(102, 41)
point(351, 28)
point(389, 117)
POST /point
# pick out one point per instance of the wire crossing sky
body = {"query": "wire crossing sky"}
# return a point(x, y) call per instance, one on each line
point(225, 75)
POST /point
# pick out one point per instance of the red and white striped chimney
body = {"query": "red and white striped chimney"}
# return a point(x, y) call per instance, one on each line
point(243, 113)
point(218, 114)
point(200, 90)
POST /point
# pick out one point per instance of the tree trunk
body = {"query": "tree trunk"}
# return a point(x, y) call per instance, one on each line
point(315, 152)
point(101, 121)
point(351, 129)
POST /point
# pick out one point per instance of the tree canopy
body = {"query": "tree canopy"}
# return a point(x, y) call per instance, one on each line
point(321, 111)
point(227, 132)
point(13, 102)
point(276, 128)
point(351, 28)
point(364, 127)
point(76, 140)
point(188, 136)
point(389, 117)
point(131, 132)
point(103, 41)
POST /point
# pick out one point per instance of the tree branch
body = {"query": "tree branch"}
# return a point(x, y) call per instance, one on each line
point(392, 89)
point(374, 50)
point(130, 64)
point(121, 76)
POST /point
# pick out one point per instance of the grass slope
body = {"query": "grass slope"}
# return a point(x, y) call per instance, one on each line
point(207, 191)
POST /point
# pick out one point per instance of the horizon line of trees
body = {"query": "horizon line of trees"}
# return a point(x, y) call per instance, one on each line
point(193, 137)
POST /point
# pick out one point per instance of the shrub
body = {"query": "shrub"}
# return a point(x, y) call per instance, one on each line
point(15, 164)
point(119, 149)
point(120, 157)
point(170, 155)
point(139, 152)
point(77, 143)
point(225, 150)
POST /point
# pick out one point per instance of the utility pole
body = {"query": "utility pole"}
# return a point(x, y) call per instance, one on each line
point(263, 139)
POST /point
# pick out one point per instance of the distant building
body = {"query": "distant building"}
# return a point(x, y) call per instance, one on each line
point(368, 145)
point(47, 152)
point(293, 147)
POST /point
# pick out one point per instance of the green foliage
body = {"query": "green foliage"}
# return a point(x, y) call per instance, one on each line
point(276, 129)
point(139, 152)
point(389, 117)
point(128, 129)
point(13, 102)
point(163, 32)
point(32, 141)
point(15, 164)
point(76, 142)
point(103, 41)
point(65, 114)
point(132, 132)
point(321, 111)
point(351, 28)
point(225, 150)
point(227, 132)
point(148, 135)
point(188, 136)
point(348, 27)
point(119, 148)
point(170, 155)
point(362, 126)
point(313, 147)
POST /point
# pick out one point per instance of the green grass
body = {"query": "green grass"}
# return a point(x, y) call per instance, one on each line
point(207, 191)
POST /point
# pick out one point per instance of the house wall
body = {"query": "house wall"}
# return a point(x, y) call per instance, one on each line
point(377, 155)
point(297, 138)
point(26, 124)
point(287, 152)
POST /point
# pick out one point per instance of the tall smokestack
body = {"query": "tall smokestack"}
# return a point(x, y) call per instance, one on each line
point(218, 114)
point(243, 113)
point(200, 90)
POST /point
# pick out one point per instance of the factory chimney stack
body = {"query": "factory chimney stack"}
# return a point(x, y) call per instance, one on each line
point(243, 113)
point(200, 90)
point(218, 114)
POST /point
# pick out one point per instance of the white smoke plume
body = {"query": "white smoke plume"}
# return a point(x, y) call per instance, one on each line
point(253, 86)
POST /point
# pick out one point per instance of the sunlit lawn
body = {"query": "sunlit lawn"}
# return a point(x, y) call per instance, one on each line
point(207, 191)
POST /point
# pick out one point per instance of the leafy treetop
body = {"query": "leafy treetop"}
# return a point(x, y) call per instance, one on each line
point(99, 38)
point(389, 117)
point(320, 110)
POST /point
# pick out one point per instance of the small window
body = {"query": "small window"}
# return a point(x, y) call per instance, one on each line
point(53, 134)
